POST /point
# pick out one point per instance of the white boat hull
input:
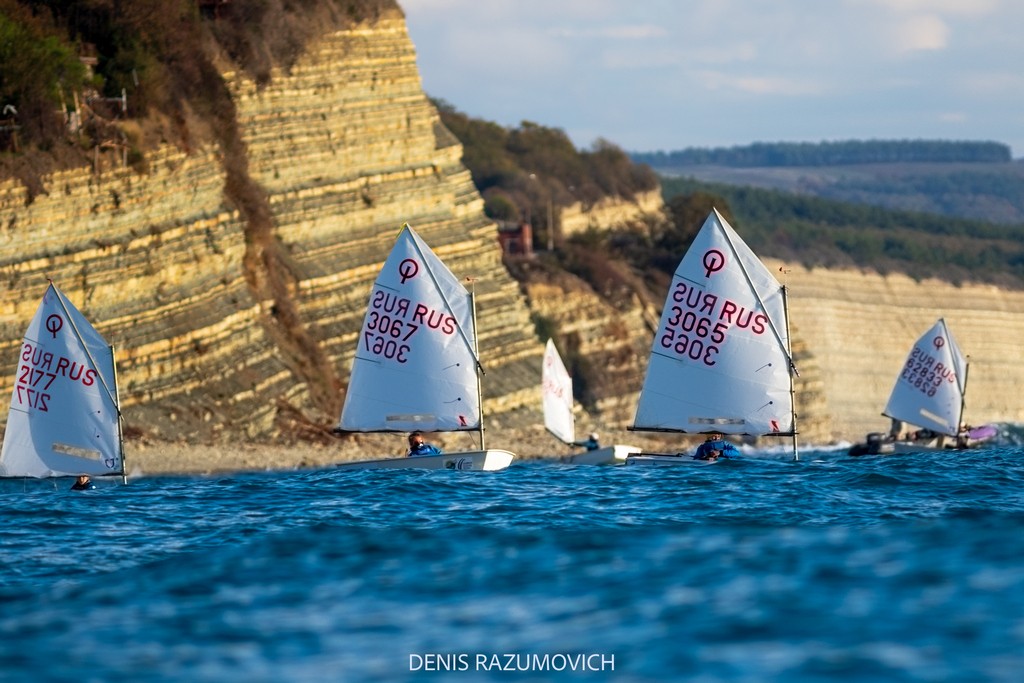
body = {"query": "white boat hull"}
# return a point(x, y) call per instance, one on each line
point(666, 460)
point(609, 455)
point(490, 459)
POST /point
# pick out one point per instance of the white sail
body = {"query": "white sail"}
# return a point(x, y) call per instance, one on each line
point(720, 358)
point(556, 387)
point(415, 366)
point(929, 391)
point(64, 418)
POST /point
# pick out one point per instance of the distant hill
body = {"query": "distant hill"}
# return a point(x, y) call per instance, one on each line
point(843, 153)
point(974, 180)
point(825, 232)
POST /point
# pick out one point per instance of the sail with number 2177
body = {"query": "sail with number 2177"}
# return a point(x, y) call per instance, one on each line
point(65, 417)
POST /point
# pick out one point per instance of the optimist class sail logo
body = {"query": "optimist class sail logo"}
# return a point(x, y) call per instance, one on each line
point(408, 269)
point(714, 261)
point(53, 324)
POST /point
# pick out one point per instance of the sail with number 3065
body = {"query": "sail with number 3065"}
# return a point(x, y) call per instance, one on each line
point(65, 418)
point(416, 366)
point(721, 360)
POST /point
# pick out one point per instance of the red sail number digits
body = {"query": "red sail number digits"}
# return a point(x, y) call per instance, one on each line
point(698, 325)
point(37, 372)
point(392, 321)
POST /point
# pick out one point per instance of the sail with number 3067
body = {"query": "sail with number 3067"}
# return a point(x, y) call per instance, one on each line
point(720, 360)
point(416, 366)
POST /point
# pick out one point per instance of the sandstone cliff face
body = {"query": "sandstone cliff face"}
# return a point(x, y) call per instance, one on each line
point(576, 218)
point(218, 337)
point(861, 326)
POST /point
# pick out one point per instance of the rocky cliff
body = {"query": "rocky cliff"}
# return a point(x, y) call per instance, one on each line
point(232, 319)
point(233, 281)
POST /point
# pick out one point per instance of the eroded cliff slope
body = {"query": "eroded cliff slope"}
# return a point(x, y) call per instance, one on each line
point(233, 281)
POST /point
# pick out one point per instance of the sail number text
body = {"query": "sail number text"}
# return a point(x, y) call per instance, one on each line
point(698, 323)
point(925, 374)
point(693, 336)
point(392, 321)
point(38, 371)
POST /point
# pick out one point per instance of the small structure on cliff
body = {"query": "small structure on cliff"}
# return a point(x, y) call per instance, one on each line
point(516, 239)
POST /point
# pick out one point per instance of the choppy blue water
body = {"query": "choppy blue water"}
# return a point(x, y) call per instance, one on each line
point(894, 568)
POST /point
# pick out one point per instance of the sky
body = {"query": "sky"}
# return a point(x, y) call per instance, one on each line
point(652, 75)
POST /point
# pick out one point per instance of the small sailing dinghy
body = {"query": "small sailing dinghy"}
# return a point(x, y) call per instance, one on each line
point(65, 416)
point(929, 393)
point(416, 366)
point(720, 360)
point(556, 388)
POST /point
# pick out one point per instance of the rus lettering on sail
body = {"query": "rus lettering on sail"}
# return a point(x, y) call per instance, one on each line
point(392, 321)
point(923, 372)
point(735, 315)
point(37, 372)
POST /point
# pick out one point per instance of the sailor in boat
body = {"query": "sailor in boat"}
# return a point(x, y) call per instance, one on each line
point(83, 483)
point(591, 443)
point(963, 436)
point(929, 438)
point(417, 446)
point(895, 429)
point(715, 447)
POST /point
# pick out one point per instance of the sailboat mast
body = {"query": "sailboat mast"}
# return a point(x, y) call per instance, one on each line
point(792, 370)
point(120, 419)
point(963, 387)
point(476, 354)
point(963, 398)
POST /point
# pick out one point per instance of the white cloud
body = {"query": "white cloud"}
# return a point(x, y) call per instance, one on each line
point(992, 83)
point(957, 7)
point(621, 32)
point(920, 32)
point(836, 69)
point(759, 85)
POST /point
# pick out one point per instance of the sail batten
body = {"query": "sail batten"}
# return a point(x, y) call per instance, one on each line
point(720, 359)
point(64, 418)
point(415, 367)
point(929, 390)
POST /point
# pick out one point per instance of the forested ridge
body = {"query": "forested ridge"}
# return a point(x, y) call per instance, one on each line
point(824, 232)
point(517, 169)
point(830, 153)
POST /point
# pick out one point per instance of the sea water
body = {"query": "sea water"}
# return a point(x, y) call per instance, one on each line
point(831, 568)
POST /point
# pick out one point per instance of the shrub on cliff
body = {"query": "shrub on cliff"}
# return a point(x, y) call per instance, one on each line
point(162, 56)
point(39, 74)
point(538, 168)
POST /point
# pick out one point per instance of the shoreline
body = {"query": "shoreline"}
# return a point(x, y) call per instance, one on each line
point(148, 457)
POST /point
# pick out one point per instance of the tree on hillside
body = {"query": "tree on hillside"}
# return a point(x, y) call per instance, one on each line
point(39, 73)
point(539, 169)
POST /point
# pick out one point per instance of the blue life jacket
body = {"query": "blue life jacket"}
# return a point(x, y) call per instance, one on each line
point(724, 448)
point(424, 449)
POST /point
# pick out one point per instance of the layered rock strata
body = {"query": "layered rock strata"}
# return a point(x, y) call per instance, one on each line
point(860, 326)
point(211, 344)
